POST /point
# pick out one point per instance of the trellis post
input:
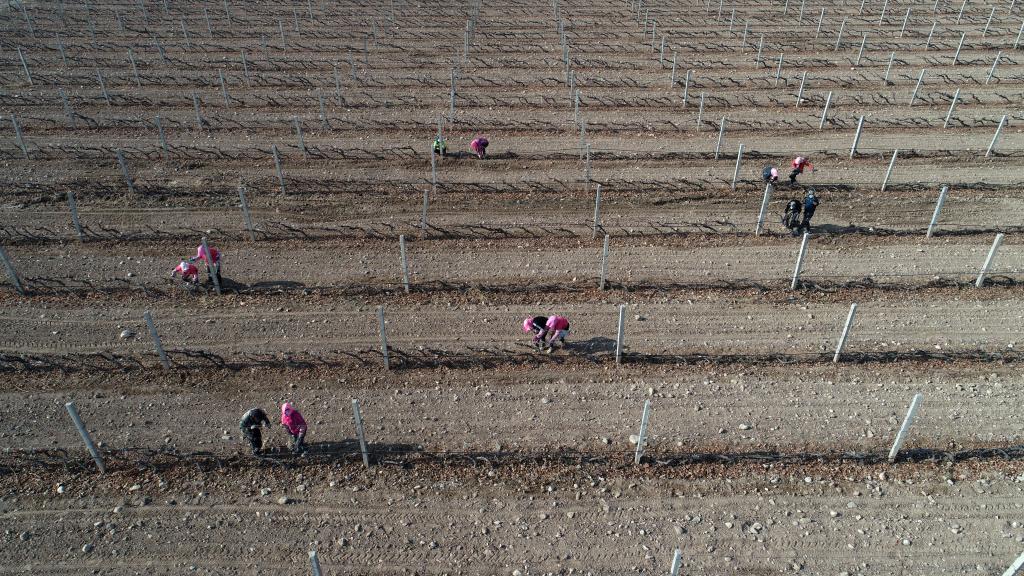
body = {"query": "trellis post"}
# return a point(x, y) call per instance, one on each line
point(956, 57)
point(24, 66)
point(18, 137)
point(619, 334)
point(888, 69)
point(800, 92)
point(245, 211)
point(938, 210)
point(824, 111)
point(597, 211)
point(360, 432)
point(992, 71)
point(799, 261)
point(383, 338)
point(156, 340)
point(405, 262)
point(905, 427)
point(952, 105)
point(736, 172)
point(888, 172)
point(277, 167)
point(988, 261)
point(73, 412)
point(641, 439)
point(995, 137)
point(721, 134)
point(604, 264)
point(764, 208)
point(846, 332)
point(73, 206)
point(12, 274)
point(124, 171)
point(856, 137)
point(920, 79)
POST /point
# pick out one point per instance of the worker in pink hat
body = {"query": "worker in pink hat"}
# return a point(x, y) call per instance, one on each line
point(770, 174)
point(547, 331)
point(479, 147)
point(189, 272)
point(212, 265)
point(295, 424)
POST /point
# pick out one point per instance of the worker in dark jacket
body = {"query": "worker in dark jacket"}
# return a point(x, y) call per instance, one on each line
point(810, 205)
point(251, 424)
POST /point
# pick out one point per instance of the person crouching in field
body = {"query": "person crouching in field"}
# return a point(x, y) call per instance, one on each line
point(251, 424)
point(295, 424)
point(791, 219)
point(189, 272)
point(799, 163)
point(547, 331)
point(479, 147)
point(770, 174)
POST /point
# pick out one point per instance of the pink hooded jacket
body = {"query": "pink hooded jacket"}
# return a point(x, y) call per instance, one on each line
point(292, 420)
point(558, 323)
point(214, 254)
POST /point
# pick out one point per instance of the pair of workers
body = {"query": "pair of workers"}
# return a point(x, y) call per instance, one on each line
point(190, 272)
point(256, 419)
point(478, 146)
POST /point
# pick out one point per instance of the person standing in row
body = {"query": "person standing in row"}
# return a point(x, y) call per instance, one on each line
point(295, 424)
point(251, 425)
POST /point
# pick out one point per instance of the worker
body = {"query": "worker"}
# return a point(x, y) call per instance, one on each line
point(440, 147)
point(295, 424)
point(770, 174)
point(791, 219)
point(810, 205)
point(799, 163)
point(251, 425)
point(212, 268)
point(546, 331)
point(189, 272)
point(479, 147)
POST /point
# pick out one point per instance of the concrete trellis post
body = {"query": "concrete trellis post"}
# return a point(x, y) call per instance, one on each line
point(846, 332)
point(920, 80)
point(905, 20)
point(323, 113)
point(69, 113)
point(839, 37)
point(135, 69)
point(961, 13)
point(24, 66)
point(1019, 32)
point(824, 111)
point(992, 71)
point(860, 54)
point(1015, 567)
point(888, 172)
point(800, 92)
point(604, 264)
point(124, 171)
point(423, 215)
point(12, 274)
point(212, 268)
point(677, 562)
point(938, 210)
point(760, 47)
point(299, 137)
point(224, 89)
point(817, 31)
point(641, 439)
point(18, 137)
point(764, 208)
point(360, 431)
point(736, 172)
point(881, 18)
point(199, 115)
point(206, 17)
point(721, 135)
point(905, 427)
point(686, 87)
point(746, 31)
point(700, 111)
point(277, 167)
point(952, 105)
point(163, 138)
point(928, 42)
point(799, 261)
point(619, 334)
point(314, 562)
point(778, 70)
point(856, 137)
point(989, 23)
point(244, 202)
point(156, 340)
point(245, 69)
point(383, 338)
point(405, 262)
point(956, 56)
point(672, 82)
point(73, 206)
point(597, 210)
point(73, 412)
point(103, 87)
point(995, 137)
point(988, 261)
point(888, 69)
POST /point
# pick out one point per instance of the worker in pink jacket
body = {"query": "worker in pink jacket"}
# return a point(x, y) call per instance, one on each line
point(189, 272)
point(547, 331)
point(212, 265)
point(295, 424)
point(799, 164)
point(479, 147)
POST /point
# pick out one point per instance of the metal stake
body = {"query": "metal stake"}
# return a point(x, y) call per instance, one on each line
point(73, 412)
point(995, 137)
point(888, 172)
point(360, 431)
point(938, 209)
point(846, 332)
point(856, 137)
point(988, 260)
point(902, 434)
point(824, 112)
point(642, 437)
point(736, 172)
point(619, 334)
point(156, 340)
point(405, 262)
point(12, 274)
point(604, 265)
point(799, 261)
point(952, 105)
point(383, 338)
point(73, 206)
